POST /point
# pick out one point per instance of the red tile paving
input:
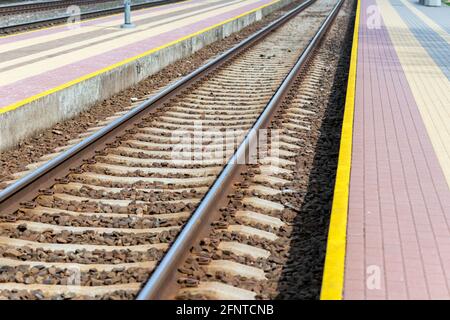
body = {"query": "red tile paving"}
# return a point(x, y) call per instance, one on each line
point(399, 205)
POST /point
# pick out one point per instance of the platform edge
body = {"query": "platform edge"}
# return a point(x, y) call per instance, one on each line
point(334, 268)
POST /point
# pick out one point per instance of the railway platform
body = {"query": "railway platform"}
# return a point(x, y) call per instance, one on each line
point(52, 74)
point(390, 224)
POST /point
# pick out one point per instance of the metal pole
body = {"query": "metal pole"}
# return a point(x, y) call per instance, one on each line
point(127, 11)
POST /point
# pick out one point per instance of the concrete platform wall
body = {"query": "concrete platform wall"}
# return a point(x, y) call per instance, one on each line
point(45, 112)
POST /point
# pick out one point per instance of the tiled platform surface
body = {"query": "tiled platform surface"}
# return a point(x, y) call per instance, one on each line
point(36, 62)
point(398, 227)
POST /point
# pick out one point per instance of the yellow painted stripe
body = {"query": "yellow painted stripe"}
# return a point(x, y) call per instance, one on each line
point(333, 275)
point(429, 85)
point(123, 62)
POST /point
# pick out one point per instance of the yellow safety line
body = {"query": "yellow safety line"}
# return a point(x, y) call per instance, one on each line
point(333, 274)
point(86, 20)
point(118, 64)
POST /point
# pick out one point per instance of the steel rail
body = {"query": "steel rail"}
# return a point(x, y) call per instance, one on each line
point(88, 14)
point(156, 286)
point(46, 175)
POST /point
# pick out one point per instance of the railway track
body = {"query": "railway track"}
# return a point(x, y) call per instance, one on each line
point(20, 8)
point(99, 217)
point(19, 27)
point(246, 249)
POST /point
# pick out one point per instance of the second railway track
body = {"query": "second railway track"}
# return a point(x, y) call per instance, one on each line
point(20, 8)
point(10, 28)
point(97, 219)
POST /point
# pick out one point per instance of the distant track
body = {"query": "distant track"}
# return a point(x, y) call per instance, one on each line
point(13, 28)
point(18, 8)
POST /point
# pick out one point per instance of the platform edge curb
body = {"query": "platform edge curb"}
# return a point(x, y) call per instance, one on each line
point(334, 267)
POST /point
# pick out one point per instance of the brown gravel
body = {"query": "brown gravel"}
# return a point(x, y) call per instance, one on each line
point(80, 256)
point(39, 295)
point(96, 220)
point(88, 237)
point(132, 208)
point(58, 276)
point(295, 267)
point(30, 150)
